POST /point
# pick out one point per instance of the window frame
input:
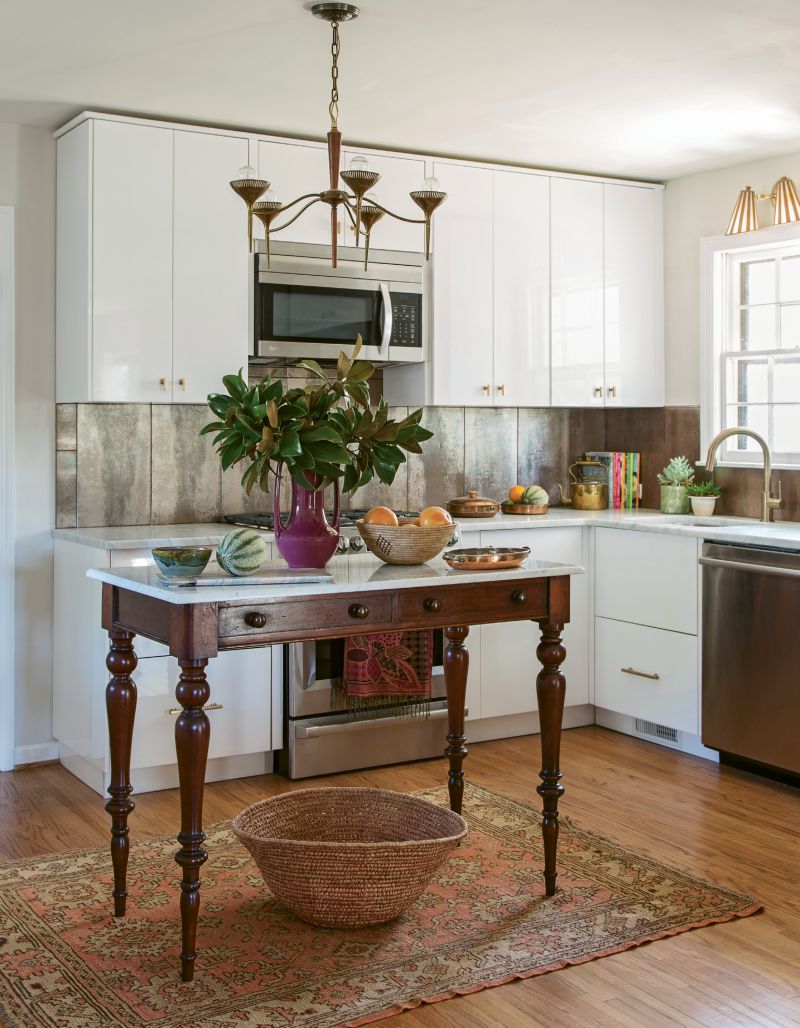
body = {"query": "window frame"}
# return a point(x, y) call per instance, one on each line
point(719, 313)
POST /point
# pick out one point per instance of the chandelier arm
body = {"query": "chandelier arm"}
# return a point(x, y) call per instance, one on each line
point(302, 210)
point(399, 217)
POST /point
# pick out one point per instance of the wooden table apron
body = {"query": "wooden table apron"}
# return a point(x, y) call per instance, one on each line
point(197, 632)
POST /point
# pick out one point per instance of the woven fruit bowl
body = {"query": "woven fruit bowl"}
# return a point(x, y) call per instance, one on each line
point(348, 858)
point(405, 543)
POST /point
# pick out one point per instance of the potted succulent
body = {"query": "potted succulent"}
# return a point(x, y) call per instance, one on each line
point(325, 434)
point(703, 497)
point(674, 481)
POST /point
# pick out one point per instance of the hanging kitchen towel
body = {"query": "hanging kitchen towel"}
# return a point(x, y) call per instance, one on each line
point(389, 669)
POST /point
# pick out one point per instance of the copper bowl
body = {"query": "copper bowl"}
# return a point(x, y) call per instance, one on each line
point(487, 558)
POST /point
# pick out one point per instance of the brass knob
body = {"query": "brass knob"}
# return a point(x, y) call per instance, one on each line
point(255, 619)
point(487, 389)
point(502, 390)
point(182, 383)
point(358, 610)
point(432, 605)
point(163, 383)
point(518, 596)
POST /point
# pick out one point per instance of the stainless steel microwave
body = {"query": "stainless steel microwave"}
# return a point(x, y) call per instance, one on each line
point(302, 307)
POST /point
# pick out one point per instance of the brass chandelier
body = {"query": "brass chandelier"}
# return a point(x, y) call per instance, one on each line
point(363, 211)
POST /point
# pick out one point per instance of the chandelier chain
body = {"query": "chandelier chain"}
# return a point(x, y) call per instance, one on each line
point(333, 106)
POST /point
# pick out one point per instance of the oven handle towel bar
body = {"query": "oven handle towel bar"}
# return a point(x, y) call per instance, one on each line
point(310, 731)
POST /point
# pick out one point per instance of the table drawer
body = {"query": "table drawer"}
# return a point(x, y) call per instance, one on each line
point(347, 614)
point(464, 605)
point(647, 673)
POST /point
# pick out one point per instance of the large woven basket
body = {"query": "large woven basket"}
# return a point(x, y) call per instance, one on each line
point(347, 858)
point(405, 543)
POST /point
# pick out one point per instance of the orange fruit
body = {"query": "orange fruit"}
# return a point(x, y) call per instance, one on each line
point(515, 493)
point(380, 516)
point(432, 516)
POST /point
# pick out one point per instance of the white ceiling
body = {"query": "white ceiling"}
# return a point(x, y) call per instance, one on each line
point(636, 88)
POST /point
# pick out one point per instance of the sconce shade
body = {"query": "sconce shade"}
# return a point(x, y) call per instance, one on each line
point(745, 216)
point(787, 202)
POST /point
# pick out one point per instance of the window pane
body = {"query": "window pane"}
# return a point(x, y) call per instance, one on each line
point(758, 328)
point(790, 326)
point(754, 416)
point(790, 278)
point(786, 381)
point(747, 381)
point(787, 429)
point(758, 282)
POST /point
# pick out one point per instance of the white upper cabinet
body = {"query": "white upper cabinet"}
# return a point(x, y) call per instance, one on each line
point(293, 170)
point(521, 290)
point(210, 337)
point(399, 176)
point(131, 294)
point(462, 289)
point(634, 303)
point(576, 246)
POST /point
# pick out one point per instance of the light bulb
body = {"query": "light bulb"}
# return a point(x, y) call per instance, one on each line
point(359, 163)
point(270, 196)
point(372, 198)
point(246, 171)
point(431, 184)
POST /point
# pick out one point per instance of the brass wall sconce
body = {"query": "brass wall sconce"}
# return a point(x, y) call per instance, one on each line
point(362, 209)
point(785, 203)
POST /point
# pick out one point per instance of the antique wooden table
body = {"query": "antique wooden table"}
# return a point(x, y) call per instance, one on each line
point(196, 623)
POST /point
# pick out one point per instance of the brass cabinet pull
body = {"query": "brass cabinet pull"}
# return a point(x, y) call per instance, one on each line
point(612, 391)
point(174, 711)
point(182, 383)
point(487, 389)
point(518, 596)
point(255, 619)
point(640, 674)
point(163, 383)
point(502, 390)
point(358, 610)
point(598, 390)
point(432, 605)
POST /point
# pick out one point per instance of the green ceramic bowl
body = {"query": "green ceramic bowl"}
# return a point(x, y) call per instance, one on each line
point(181, 561)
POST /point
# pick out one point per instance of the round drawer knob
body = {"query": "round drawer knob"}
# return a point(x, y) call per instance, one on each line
point(519, 597)
point(432, 605)
point(358, 610)
point(255, 619)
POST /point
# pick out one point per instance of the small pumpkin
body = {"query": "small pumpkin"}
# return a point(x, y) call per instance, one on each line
point(241, 552)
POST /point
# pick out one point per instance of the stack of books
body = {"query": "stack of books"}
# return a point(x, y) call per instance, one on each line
point(624, 477)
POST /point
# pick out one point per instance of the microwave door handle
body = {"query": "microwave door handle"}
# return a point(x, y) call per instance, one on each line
point(388, 317)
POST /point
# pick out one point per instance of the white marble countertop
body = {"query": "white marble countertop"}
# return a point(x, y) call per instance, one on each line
point(357, 575)
point(779, 534)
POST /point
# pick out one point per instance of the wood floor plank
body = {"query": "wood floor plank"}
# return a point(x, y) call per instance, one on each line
point(730, 827)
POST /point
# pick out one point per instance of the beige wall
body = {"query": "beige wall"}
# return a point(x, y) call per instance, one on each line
point(695, 207)
point(27, 183)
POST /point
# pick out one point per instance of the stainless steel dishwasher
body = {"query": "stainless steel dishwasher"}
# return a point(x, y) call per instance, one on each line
point(751, 655)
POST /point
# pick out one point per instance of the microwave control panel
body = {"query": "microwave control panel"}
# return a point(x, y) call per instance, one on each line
point(406, 319)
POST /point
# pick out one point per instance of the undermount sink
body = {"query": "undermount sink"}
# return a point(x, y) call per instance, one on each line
point(690, 521)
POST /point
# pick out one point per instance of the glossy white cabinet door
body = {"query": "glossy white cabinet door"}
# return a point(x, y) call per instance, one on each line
point(508, 651)
point(294, 169)
point(634, 305)
point(399, 176)
point(576, 247)
point(132, 263)
point(210, 265)
point(521, 289)
point(462, 289)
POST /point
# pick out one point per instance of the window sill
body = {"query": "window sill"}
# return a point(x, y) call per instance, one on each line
point(756, 466)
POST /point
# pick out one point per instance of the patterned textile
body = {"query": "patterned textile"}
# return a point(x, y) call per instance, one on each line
point(389, 669)
point(66, 962)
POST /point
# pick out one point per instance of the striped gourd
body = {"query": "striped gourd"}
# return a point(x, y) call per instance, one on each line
point(241, 552)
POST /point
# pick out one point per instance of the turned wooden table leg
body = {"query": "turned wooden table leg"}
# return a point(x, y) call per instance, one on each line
point(120, 710)
point(456, 666)
point(192, 731)
point(550, 687)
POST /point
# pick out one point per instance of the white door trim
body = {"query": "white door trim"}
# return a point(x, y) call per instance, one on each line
point(7, 343)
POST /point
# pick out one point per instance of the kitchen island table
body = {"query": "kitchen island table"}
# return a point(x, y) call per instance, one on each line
point(198, 622)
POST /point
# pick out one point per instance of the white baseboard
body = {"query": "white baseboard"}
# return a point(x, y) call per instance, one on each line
point(511, 725)
point(35, 753)
point(685, 742)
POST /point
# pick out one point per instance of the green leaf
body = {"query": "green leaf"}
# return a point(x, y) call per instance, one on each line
point(318, 433)
point(411, 445)
point(236, 385)
point(212, 426)
point(290, 443)
point(248, 432)
point(314, 368)
point(361, 371)
point(331, 452)
point(230, 454)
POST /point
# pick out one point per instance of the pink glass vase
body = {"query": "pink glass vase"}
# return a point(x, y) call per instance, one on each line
point(306, 540)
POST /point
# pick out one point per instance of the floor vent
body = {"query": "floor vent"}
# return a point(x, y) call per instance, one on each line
point(657, 731)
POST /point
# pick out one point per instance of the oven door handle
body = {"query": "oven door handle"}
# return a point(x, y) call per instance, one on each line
point(312, 731)
point(387, 318)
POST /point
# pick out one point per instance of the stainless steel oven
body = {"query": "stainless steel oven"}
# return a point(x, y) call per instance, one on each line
point(302, 307)
point(321, 736)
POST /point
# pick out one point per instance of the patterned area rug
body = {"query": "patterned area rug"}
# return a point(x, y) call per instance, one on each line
point(66, 962)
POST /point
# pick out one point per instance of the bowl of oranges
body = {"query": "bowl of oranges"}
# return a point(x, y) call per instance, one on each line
point(406, 540)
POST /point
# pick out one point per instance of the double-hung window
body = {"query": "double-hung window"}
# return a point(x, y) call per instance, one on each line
point(752, 344)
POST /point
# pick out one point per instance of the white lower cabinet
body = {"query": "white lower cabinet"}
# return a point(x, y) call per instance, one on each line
point(647, 673)
point(508, 662)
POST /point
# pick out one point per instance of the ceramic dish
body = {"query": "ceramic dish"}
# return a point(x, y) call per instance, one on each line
point(525, 508)
point(181, 562)
point(487, 558)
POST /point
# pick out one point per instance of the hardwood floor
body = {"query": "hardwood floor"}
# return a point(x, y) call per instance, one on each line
point(723, 824)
